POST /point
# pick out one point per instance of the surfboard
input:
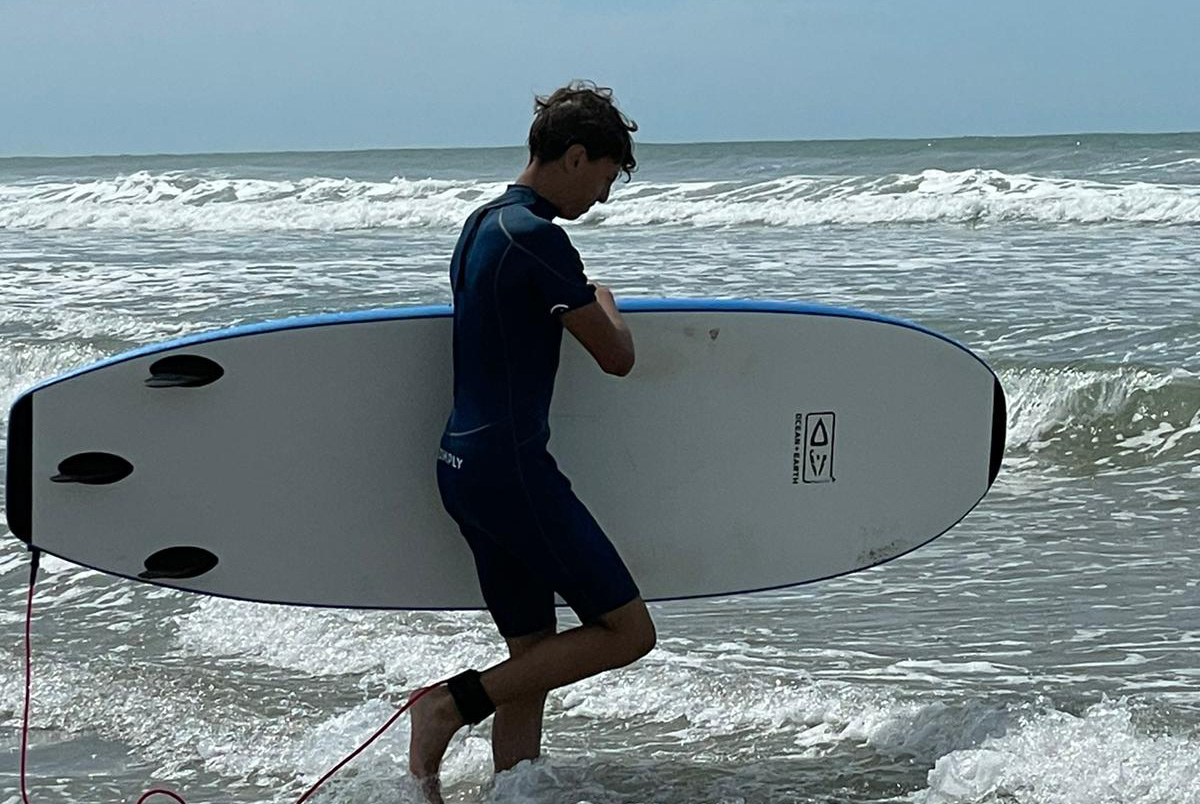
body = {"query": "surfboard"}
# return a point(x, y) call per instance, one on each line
point(755, 445)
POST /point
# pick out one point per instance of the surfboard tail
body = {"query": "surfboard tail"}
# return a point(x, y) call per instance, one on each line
point(18, 485)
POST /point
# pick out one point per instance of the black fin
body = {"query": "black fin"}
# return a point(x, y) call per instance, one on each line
point(178, 562)
point(93, 469)
point(184, 371)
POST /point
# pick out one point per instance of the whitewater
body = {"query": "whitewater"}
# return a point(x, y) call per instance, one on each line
point(1042, 652)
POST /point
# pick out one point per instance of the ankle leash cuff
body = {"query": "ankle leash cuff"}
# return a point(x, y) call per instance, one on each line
point(470, 697)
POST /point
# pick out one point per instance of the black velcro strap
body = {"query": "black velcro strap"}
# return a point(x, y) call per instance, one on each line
point(470, 697)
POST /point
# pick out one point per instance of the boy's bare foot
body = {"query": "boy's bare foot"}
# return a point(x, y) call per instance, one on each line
point(435, 718)
point(431, 789)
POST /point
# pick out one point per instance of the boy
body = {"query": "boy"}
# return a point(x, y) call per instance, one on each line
point(517, 284)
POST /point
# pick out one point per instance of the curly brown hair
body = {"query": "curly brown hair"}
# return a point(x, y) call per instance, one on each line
point(585, 114)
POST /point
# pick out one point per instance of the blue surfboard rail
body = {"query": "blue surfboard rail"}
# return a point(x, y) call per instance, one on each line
point(445, 310)
point(19, 480)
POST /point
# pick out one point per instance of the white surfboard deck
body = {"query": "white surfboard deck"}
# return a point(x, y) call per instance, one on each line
point(755, 445)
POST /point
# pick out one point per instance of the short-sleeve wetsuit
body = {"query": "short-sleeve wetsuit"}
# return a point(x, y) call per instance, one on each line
point(513, 273)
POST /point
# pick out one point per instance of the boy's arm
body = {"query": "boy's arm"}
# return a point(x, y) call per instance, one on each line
point(603, 332)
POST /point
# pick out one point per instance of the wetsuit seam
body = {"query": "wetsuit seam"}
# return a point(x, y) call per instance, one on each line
point(547, 543)
point(513, 241)
point(481, 428)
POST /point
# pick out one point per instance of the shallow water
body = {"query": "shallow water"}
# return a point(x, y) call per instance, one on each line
point(1042, 652)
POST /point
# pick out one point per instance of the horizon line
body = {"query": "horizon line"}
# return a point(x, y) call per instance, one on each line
point(769, 141)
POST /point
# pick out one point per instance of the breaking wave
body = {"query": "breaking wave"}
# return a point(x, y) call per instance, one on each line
point(1104, 416)
point(182, 201)
point(1058, 758)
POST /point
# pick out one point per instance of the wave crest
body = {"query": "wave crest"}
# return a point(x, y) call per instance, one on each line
point(177, 200)
point(170, 201)
point(1059, 758)
point(1102, 417)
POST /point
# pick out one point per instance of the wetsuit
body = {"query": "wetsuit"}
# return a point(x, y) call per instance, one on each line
point(514, 272)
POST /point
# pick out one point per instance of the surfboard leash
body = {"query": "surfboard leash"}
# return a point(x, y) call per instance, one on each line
point(33, 571)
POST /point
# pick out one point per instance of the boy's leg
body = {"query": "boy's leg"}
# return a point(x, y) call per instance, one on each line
point(616, 639)
point(548, 542)
point(517, 725)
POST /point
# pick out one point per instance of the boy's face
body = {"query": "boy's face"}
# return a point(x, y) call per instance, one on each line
point(590, 182)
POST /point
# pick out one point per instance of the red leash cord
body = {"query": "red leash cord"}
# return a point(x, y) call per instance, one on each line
point(29, 687)
point(37, 554)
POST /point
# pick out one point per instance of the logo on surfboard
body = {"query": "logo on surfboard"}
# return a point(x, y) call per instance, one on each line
point(812, 459)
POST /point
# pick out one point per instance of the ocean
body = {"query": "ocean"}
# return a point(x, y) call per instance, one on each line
point(1044, 651)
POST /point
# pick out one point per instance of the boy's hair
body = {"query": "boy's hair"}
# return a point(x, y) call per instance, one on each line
point(585, 114)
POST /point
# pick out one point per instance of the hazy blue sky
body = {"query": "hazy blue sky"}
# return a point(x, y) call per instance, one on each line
point(138, 76)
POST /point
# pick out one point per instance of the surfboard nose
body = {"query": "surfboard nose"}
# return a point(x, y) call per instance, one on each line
point(999, 430)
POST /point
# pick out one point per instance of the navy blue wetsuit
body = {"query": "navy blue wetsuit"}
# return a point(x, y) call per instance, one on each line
point(514, 272)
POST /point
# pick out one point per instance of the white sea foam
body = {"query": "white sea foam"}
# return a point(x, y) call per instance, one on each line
point(1043, 399)
point(24, 365)
point(171, 725)
point(1116, 410)
point(321, 642)
point(697, 695)
point(979, 750)
point(971, 196)
point(1057, 758)
point(178, 201)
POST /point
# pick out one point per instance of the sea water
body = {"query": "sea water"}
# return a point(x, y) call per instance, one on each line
point(1044, 651)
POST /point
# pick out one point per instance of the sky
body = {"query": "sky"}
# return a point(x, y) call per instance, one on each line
point(86, 77)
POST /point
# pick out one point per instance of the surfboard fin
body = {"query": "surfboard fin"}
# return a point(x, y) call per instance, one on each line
point(93, 469)
point(184, 371)
point(178, 562)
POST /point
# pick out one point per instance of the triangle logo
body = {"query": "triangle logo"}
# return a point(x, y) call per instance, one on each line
point(820, 436)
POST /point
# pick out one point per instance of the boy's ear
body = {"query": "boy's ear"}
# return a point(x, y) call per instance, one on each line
point(574, 156)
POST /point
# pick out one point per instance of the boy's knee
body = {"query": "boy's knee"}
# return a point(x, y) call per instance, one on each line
point(640, 633)
point(646, 638)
